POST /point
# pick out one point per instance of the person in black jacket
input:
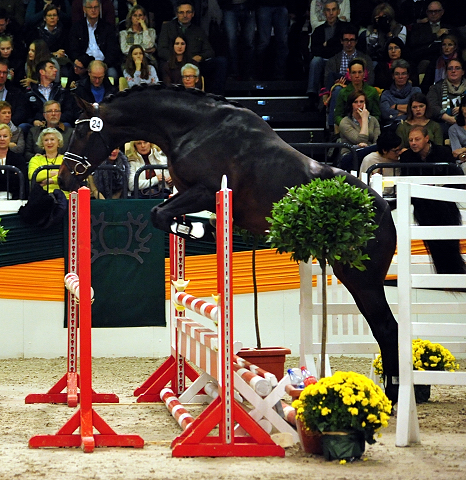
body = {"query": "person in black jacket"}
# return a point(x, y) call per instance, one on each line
point(325, 43)
point(105, 47)
point(48, 89)
point(14, 96)
point(9, 181)
point(96, 86)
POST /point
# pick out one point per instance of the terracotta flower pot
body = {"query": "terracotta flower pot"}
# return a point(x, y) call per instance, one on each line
point(310, 441)
point(271, 359)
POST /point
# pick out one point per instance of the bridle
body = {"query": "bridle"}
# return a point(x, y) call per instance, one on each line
point(79, 164)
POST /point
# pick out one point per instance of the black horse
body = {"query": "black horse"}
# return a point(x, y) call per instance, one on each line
point(206, 137)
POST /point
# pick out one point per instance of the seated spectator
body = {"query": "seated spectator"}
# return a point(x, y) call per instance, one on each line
point(79, 71)
point(137, 69)
point(14, 96)
point(445, 96)
point(36, 9)
point(357, 73)
point(38, 53)
point(412, 11)
point(424, 40)
point(325, 43)
point(388, 151)
point(52, 119)
point(55, 35)
point(151, 182)
point(419, 114)
point(437, 69)
point(394, 101)
point(213, 68)
point(190, 76)
point(95, 37)
point(8, 157)
point(17, 142)
point(50, 140)
point(107, 10)
point(9, 27)
point(105, 184)
point(457, 136)
point(171, 70)
point(15, 63)
point(96, 86)
point(48, 89)
point(394, 50)
point(384, 28)
point(357, 128)
point(317, 12)
point(337, 68)
point(15, 10)
point(138, 33)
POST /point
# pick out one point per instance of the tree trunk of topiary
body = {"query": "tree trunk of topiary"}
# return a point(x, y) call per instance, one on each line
point(323, 344)
point(254, 282)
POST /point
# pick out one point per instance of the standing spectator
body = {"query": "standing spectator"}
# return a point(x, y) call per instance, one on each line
point(138, 33)
point(317, 12)
point(272, 14)
point(8, 157)
point(240, 26)
point(14, 96)
point(357, 73)
point(52, 119)
point(424, 40)
point(17, 142)
point(418, 114)
point(394, 101)
point(97, 85)
point(96, 38)
point(105, 184)
point(445, 96)
point(199, 49)
point(383, 28)
point(325, 43)
point(137, 69)
point(48, 89)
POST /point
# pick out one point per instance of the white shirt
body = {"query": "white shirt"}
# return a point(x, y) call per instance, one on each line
point(93, 49)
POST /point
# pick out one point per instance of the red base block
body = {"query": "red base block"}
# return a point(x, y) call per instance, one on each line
point(150, 390)
point(106, 437)
point(70, 382)
point(195, 442)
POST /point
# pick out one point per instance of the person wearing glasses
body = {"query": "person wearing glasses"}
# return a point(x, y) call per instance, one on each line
point(445, 96)
point(336, 69)
point(96, 38)
point(190, 76)
point(424, 40)
point(52, 119)
point(97, 85)
point(394, 100)
point(79, 71)
point(36, 8)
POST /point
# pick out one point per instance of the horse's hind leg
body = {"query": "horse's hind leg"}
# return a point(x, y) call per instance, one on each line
point(167, 216)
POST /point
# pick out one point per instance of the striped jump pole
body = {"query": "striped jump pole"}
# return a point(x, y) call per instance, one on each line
point(85, 420)
point(66, 389)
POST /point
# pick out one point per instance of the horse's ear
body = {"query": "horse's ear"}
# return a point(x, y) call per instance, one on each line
point(86, 107)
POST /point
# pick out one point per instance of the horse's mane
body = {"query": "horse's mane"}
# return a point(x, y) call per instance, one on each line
point(161, 86)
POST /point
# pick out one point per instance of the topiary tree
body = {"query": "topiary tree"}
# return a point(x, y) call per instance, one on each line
point(329, 220)
point(3, 233)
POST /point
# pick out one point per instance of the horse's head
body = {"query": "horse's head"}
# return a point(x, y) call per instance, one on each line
point(87, 149)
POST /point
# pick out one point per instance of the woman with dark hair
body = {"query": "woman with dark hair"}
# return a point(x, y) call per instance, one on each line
point(383, 75)
point(171, 70)
point(437, 69)
point(457, 136)
point(358, 127)
point(137, 69)
point(79, 72)
point(383, 29)
point(419, 114)
point(138, 33)
point(38, 52)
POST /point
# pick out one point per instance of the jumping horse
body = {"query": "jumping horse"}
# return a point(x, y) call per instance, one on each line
point(205, 137)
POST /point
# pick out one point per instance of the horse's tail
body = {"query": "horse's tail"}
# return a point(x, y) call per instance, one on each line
point(446, 254)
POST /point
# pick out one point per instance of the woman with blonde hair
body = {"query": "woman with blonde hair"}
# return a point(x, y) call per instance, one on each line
point(50, 139)
point(9, 182)
point(152, 184)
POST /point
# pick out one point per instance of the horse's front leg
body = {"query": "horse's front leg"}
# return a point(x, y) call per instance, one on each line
point(168, 215)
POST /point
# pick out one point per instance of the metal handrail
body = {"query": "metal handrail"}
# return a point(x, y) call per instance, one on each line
point(39, 169)
point(307, 149)
point(121, 171)
point(16, 171)
point(453, 168)
point(142, 169)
